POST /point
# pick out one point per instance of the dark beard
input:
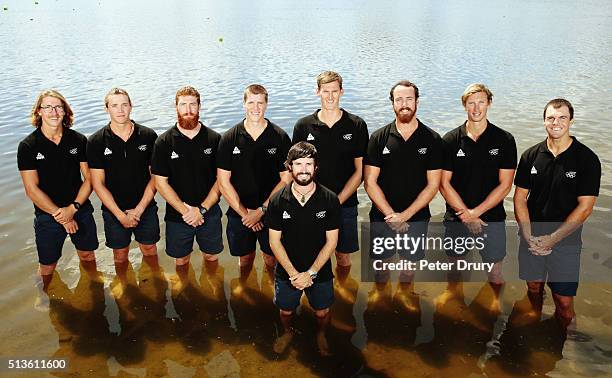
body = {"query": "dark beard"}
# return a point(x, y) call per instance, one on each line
point(301, 182)
point(188, 123)
point(405, 118)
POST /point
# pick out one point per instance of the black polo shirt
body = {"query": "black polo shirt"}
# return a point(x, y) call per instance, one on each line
point(189, 164)
point(555, 183)
point(255, 164)
point(337, 147)
point(125, 163)
point(404, 164)
point(57, 165)
point(476, 165)
point(303, 227)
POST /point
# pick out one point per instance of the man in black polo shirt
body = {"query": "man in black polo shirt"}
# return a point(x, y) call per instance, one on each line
point(303, 218)
point(51, 161)
point(557, 182)
point(251, 168)
point(184, 169)
point(119, 157)
point(402, 172)
point(341, 139)
point(479, 164)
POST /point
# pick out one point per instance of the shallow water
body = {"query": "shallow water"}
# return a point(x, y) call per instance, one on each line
point(156, 323)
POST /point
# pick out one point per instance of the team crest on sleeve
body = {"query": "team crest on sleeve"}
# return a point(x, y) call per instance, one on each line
point(208, 151)
point(347, 136)
point(321, 214)
point(422, 151)
point(142, 147)
point(494, 151)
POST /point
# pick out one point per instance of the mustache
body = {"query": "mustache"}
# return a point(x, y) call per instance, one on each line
point(405, 108)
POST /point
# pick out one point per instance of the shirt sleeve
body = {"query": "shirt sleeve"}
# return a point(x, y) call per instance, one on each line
point(26, 160)
point(523, 172)
point(151, 145)
point(82, 150)
point(298, 133)
point(373, 156)
point(273, 215)
point(224, 152)
point(436, 156)
point(95, 158)
point(590, 176)
point(333, 220)
point(361, 149)
point(509, 151)
point(285, 145)
point(159, 160)
point(448, 152)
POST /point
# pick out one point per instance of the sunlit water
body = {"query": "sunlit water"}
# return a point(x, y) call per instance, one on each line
point(153, 322)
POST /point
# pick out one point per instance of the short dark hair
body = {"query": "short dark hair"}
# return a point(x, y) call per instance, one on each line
point(404, 83)
point(557, 103)
point(301, 150)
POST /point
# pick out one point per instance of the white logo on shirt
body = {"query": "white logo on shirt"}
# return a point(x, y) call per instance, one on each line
point(460, 152)
point(236, 150)
point(107, 151)
point(310, 137)
point(272, 151)
point(40, 156)
point(286, 215)
point(386, 151)
point(73, 151)
point(174, 155)
point(494, 151)
point(142, 147)
point(570, 174)
point(347, 136)
point(208, 151)
point(422, 151)
point(320, 214)
point(534, 171)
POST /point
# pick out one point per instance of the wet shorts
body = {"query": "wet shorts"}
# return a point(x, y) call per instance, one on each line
point(320, 295)
point(561, 268)
point(146, 232)
point(179, 235)
point(348, 239)
point(242, 240)
point(50, 235)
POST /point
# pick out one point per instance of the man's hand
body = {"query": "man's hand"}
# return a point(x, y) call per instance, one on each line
point(71, 227)
point(301, 280)
point(471, 220)
point(258, 227)
point(397, 222)
point(192, 216)
point(129, 220)
point(541, 245)
point(64, 214)
point(252, 218)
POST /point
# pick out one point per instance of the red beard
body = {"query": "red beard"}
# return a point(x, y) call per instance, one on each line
point(188, 123)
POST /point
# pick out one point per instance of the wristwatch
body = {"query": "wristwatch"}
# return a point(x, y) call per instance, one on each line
point(202, 209)
point(312, 273)
point(264, 208)
point(76, 205)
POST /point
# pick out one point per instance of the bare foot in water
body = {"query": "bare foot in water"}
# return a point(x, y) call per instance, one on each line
point(322, 344)
point(282, 343)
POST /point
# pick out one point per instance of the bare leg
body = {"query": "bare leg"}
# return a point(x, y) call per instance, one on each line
point(322, 322)
point(281, 343)
point(343, 259)
point(564, 311)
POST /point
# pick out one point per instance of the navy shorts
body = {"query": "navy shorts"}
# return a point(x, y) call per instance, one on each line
point(348, 239)
point(380, 229)
point(146, 232)
point(50, 235)
point(242, 240)
point(561, 268)
point(494, 237)
point(179, 235)
point(320, 295)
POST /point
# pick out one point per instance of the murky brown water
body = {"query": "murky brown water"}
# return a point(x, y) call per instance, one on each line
point(151, 321)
